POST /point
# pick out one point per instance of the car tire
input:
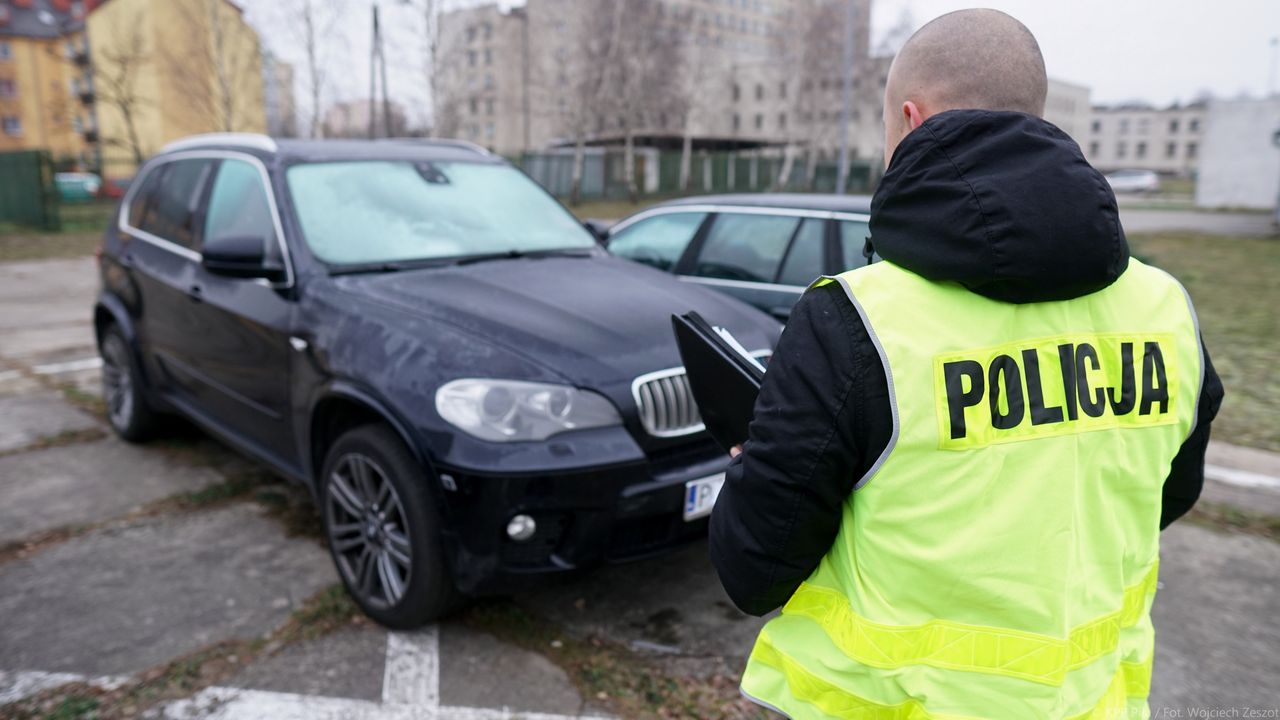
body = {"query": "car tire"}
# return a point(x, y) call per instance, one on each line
point(123, 393)
point(383, 530)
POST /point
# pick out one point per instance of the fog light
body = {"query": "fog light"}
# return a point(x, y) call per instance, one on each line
point(521, 528)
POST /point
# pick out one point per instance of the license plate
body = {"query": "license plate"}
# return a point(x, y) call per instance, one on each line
point(700, 495)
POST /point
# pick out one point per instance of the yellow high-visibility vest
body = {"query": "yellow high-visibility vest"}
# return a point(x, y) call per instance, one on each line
point(999, 559)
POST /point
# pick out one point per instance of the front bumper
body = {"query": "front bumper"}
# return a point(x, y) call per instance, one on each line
point(585, 517)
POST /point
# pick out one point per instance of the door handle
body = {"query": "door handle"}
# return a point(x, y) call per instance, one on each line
point(196, 293)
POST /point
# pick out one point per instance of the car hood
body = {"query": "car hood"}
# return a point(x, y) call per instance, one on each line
point(595, 321)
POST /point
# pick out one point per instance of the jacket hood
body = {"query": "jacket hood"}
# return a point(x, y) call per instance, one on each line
point(1003, 203)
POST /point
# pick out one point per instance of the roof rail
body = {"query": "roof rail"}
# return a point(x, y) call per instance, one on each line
point(449, 142)
point(248, 140)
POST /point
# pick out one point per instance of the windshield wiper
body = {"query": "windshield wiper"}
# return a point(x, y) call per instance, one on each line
point(518, 254)
point(386, 267)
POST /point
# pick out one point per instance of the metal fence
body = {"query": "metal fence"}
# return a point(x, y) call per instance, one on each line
point(658, 173)
point(28, 194)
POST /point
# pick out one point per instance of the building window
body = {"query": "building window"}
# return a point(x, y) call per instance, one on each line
point(488, 56)
point(737, 92)
point(488, 81)
point(1097, 126)
point(782, 89)
point(475, 106)
point(1144, 124)
point(471, 58)
point(759, 91)
point(782, 121)
point(1141, 150)
point(737, 122)
point(1191, 148)
point(488, 106)
point(1171, 150)
point(1094, 147)
point(1121, 149)
point(759, 121)
point(6, 50)
point(12, 125)
point(1124, 126)
point(471, 36)
point(1173, 125)
point(488, 31)
point(489, 131)
point(1194, 125)
point(7, 88)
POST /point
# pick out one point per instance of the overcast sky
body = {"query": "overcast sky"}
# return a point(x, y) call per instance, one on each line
point(1159, 51)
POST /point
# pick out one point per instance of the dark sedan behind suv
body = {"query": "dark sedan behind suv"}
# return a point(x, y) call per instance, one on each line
point(476, 392)
point(764, 249)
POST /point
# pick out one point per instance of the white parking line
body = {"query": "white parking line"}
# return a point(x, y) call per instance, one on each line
point(17, 685)
point(1241, 478)
point(92, 363)
point(412, 672)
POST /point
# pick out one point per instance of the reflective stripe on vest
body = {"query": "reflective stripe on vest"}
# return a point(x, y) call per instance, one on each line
point(943, 644)
point(998, 559)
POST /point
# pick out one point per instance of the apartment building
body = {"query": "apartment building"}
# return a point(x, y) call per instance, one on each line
point(510, 79)
point(1137, 136)
point(164, 69)
point(46, 89)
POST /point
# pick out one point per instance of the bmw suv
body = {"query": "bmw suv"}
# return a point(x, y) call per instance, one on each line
point(475, 392)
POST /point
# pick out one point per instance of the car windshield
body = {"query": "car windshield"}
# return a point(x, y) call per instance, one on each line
point(357, 213)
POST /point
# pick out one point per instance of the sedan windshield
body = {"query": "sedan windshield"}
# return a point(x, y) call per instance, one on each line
point(358, 213)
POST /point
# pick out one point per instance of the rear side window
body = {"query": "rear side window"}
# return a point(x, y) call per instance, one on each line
point(238, 207)
point(745, 247)
point(804, 260)
point(659, 240)
point(853, 238)
point(171, 205)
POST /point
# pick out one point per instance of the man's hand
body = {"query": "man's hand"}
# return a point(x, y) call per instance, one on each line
point(735, 451)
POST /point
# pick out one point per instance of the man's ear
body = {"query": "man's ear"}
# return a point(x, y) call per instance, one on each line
point(912, 115)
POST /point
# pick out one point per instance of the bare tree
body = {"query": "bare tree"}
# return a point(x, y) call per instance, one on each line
point(814, 101)
point(431, 64)
point(315, 32)
point(226, 66)
point(116, 82)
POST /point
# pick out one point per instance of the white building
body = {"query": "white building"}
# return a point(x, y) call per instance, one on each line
point(1067, 106)
point(1240, 162)
point(1142, 137)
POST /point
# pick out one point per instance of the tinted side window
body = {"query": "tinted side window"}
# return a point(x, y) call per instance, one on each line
point(658, 241)
point(238, 207)
point(145, 193)
point(853, 238)
point(171, 213)
point(804, 260)
point(745, 247)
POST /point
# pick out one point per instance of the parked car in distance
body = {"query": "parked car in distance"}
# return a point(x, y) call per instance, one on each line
point(114, 188)
point(77, 186)
point(476, 393)
point(764, 249)
point(1133, 181)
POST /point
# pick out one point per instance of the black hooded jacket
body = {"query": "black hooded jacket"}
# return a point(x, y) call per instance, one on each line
point(1003, 203)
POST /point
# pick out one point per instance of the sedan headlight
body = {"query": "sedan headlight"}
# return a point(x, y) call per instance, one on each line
point(511, 410)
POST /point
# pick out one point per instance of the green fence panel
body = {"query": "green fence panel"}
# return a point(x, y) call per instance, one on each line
point(28, 195)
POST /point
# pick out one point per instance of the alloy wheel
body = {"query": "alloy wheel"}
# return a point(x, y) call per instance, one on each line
point(117, 383)
point(368, 531)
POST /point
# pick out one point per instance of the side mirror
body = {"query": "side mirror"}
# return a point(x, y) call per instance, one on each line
point(240, 256)
point(599, 229)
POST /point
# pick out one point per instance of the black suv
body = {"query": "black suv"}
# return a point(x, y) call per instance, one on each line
point(474, 390)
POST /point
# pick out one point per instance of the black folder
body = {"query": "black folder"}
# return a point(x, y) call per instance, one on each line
point(724, 379)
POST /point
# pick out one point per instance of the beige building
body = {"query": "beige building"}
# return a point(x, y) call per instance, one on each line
point(164, 69)
point(1067, 106)
point(510, 79)
point(1142, 137)
point(46, 91)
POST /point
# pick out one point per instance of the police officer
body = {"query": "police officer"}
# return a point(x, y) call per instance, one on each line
point(962, 456)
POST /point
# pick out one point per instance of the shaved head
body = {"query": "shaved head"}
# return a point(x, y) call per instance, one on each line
point(968, 59)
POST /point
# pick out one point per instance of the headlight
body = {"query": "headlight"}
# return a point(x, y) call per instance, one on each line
point(511, 410)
